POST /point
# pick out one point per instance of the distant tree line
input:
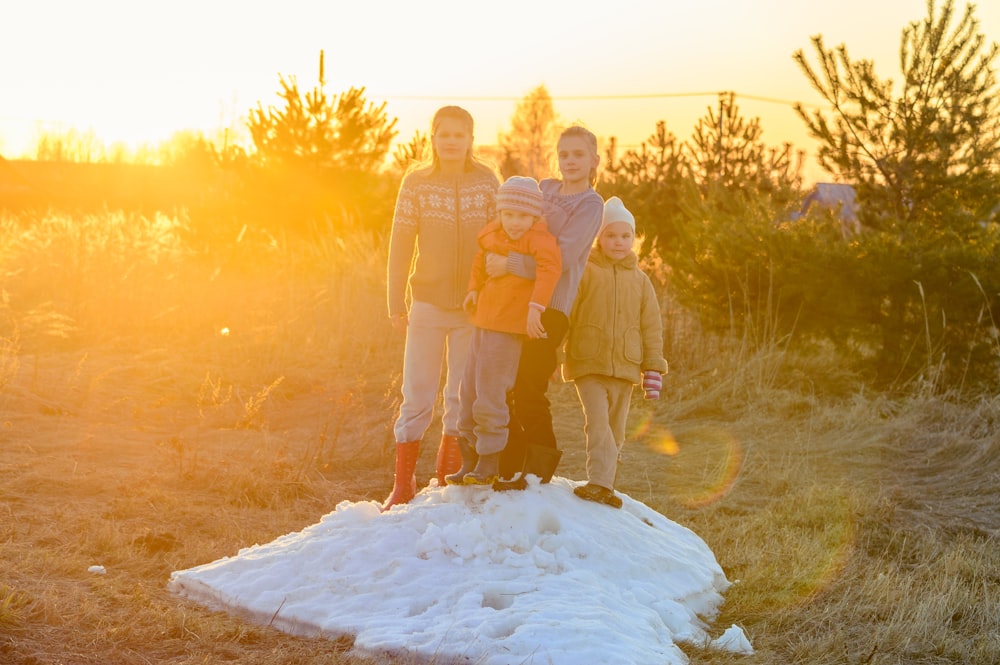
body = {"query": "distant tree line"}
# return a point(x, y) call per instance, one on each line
point(911, 299)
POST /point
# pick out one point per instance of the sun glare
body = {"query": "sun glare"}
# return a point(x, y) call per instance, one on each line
point(155, 71)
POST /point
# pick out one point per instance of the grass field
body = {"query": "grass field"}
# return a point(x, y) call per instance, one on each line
point(162, 407)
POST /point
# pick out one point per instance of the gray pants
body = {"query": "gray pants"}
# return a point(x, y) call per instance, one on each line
point(490, 371)
point(433, 335)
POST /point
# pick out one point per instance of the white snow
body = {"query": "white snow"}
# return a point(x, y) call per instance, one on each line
point(466, 574)
point(733, 640)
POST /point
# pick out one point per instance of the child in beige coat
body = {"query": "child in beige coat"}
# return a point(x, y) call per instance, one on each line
point(615, 341)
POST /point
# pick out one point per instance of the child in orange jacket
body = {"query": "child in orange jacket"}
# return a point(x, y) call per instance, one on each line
point(505, 310)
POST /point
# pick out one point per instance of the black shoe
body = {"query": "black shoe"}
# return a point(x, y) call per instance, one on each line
point(542, 461)
point(518, 482)
point(598, 494)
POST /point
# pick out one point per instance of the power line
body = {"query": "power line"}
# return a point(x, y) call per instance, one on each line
point(772, 100)
point(470, 98)
point(597, 98)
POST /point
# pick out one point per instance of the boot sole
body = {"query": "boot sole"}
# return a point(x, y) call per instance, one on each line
point(518, 484)
point(479, 480)
point(607, 499)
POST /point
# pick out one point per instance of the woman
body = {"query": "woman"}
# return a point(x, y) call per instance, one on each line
point(440, 209)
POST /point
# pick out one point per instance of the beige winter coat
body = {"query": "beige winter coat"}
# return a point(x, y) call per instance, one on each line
point(615, 325)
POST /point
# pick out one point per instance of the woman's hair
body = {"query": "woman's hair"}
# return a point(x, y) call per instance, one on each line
point(452, 113)
point(576, 131)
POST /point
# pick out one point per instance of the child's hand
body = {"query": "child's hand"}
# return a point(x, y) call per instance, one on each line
point(496, 264)
point(535, 328)
point(652, 382)
point(469, 304)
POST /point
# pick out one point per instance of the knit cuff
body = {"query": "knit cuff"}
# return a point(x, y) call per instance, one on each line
point(652, 383)
point(521, 265)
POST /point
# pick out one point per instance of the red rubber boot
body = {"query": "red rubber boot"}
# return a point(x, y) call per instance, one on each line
point(449, 458)
point(404, 486)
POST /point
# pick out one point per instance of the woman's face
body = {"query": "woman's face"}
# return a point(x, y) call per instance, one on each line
point(452, 141)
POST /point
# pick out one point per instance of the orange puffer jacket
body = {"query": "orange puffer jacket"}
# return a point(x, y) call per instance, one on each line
point(503, 301)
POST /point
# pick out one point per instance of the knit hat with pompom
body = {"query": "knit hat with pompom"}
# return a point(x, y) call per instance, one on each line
point(521, 194)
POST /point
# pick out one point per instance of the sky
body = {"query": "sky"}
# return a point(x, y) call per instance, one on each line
point(467, 574)
point(139, 71)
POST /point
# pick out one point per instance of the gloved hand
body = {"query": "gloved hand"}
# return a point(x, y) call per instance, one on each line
point(652, 382)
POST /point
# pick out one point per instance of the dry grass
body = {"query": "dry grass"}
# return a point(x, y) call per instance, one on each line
point(162, 408)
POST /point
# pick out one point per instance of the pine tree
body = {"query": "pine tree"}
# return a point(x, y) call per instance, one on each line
point(708, 206)
point(319, 156)
point(727, 151)
point(924, 155)
point(926, 151)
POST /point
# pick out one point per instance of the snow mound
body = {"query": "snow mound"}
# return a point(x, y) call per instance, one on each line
point(495, 578)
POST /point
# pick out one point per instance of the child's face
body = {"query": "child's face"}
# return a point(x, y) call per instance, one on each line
point(616, 240)
point(575, 159)
point(452, 140)
point(516, 223)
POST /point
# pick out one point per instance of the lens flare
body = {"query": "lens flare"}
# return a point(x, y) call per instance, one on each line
point(662, 441)
point(704, 465)
point(721, 470)
point(641, 427)
point(657, 437)
point(709, 460)
point(827, 516)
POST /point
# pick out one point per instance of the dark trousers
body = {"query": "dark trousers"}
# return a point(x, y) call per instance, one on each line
point(530, 417)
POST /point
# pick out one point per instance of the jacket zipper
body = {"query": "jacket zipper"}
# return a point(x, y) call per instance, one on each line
point(614, 315)
point(458, 245)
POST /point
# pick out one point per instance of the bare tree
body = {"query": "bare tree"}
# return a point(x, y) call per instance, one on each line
point(530, 144)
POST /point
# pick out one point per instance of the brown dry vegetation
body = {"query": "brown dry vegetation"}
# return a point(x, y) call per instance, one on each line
point(160, 409)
